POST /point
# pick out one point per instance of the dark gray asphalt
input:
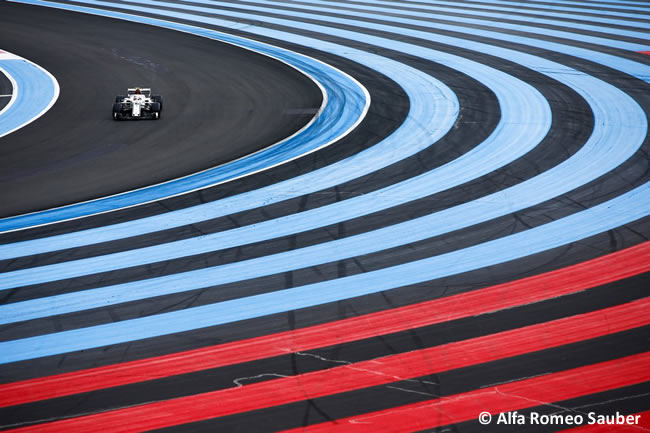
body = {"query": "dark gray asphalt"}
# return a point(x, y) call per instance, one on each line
point(221, 103)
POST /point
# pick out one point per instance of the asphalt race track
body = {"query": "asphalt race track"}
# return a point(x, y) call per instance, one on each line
point(214, 92)
point(476, 241)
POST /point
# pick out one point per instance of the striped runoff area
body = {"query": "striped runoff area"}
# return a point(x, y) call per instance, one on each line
point(33, 92)
point(490, 253)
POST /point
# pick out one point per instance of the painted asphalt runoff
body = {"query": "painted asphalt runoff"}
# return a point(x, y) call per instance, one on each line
point(423, 19)
point(496, 16)
point(614, 213)
point(598, 152)
point(35, 91)
point(638, 70)
point(605, 150)
point(608, 4)
point(572, 16)
point(523, 7)
point(591, 4)
point(335, 118)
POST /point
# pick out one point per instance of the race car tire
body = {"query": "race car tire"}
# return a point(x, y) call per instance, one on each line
point(119, 98)
point(158, 99)
point(117, 111)
point(155, 107)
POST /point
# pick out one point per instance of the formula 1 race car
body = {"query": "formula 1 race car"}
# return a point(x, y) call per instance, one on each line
point(137, 104)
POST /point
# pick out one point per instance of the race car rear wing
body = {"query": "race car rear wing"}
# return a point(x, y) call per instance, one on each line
point(145, 91)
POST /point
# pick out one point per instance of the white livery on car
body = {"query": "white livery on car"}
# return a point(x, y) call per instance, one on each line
point(138, 103)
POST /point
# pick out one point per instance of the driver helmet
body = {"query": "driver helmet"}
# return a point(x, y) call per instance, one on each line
point(137, 91)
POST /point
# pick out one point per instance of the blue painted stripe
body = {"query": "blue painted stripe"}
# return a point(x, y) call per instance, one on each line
point(433, 111)
point(624, 209)
point(347, 105)
point(35, 92)
point(421, 19)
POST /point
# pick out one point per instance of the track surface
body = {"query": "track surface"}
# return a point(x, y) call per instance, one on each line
point(221, 103)
point(411, 298)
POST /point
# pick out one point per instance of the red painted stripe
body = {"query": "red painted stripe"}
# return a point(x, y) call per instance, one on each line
point(645, 52)
point(497, 399)
point(612, 267)
point(642, 426)
point(359, 375)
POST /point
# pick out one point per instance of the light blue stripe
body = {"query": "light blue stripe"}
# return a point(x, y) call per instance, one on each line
point(624, 209)
point(421, 20)
point(35, 91)
point(347, 104)
point(612, 21)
